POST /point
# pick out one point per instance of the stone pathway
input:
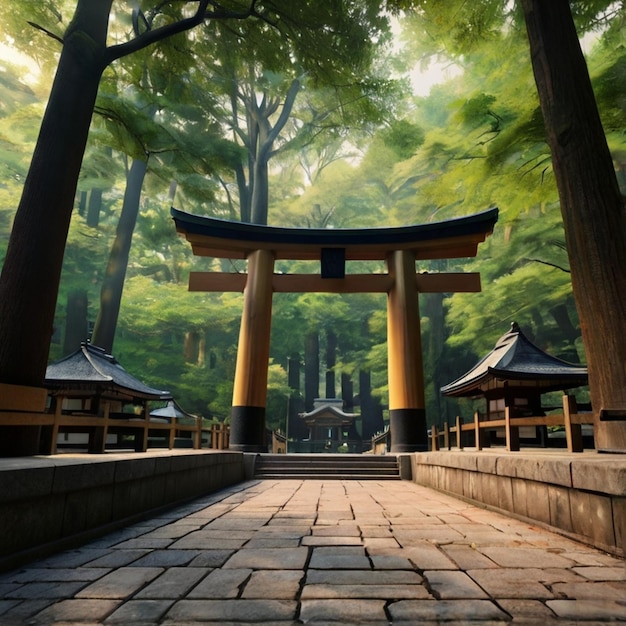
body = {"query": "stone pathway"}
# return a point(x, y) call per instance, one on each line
point(321, 552)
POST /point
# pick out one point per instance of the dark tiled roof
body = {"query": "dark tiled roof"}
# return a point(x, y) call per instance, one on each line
point(518, 361)
point(91, 366)
point(171, 410)
point(328, 410)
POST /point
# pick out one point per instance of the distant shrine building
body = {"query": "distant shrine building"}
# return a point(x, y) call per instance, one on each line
point(400, 248)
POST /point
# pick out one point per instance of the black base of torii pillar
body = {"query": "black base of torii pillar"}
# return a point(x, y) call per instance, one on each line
point(247, 421)
point(407, 413)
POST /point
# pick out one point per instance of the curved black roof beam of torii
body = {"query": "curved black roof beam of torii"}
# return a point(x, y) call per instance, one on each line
point(453, 238)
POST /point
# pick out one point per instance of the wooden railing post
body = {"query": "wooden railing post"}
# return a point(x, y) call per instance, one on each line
point(446, 436)
point(479, 444)
point(197, 434)
point(55, 427)
point(171, 435)
point(434, 439)
point(98, 436)
point(511, 432)
point(573, 432)
point(459, 432)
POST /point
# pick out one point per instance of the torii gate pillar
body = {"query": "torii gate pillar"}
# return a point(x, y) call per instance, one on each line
point(407, 409)
point(247, 422)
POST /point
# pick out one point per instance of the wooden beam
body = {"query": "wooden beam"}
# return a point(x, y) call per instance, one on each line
point(453, 282)
point(217, 281)
point(314, 283)
point(352, 283)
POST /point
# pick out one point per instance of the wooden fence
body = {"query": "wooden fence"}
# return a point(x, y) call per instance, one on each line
point(139, 431)
point(570, 419)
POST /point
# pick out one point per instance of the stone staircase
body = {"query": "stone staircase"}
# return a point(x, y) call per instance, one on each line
point(327, 466)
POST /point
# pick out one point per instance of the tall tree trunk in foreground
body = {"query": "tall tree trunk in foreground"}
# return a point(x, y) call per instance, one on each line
point(591, 204)
point(113, 285)
point(32, 269)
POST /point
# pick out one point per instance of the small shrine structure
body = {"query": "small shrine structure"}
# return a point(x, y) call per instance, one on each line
point(515, 374)
point(331, 429)
point(91, 394)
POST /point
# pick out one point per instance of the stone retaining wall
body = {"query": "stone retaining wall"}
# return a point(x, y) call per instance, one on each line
point(50, 502)
point(582, 496)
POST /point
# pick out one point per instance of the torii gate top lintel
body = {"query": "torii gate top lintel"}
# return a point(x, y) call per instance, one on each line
point(453, 238)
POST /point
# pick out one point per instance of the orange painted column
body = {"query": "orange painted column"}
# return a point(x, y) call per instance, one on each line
point(407, 414)
point(247, 425)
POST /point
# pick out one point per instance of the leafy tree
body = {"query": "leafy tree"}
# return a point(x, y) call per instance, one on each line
point(31, 273)
point(282, 87)
point(30, 280)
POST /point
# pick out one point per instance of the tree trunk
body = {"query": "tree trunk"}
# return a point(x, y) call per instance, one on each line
point(76, 326)
point(347, 392)
point(591, 205)
point(82, 204)
point(433, 309)
point(331, 359)
point(93, 208)
point(113, 284)
point(32, 269)
point(569, 334)
point(296, 428)
point(311, 369)
point(366, 404)
point(190, 346)
point(260, 191)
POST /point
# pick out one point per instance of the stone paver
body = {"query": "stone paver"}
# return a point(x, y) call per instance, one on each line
point(449, 585)
point(321, 552)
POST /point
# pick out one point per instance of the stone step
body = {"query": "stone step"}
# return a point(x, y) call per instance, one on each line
point(327, 466)
point(353, 475)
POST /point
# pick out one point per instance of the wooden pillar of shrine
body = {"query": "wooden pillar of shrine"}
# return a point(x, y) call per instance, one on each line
point(247, 425)
point(407, 414)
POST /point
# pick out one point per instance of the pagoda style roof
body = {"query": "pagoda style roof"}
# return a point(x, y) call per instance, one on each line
point(172, 410)
point(91, 369)
point(453, 238)
point(328, 410)
point(516, 362)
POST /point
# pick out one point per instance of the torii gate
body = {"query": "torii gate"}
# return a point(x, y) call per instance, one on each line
point(400, 247)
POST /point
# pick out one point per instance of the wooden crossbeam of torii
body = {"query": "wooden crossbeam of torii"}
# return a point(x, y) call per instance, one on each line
point(399, 247)
point(449, 282)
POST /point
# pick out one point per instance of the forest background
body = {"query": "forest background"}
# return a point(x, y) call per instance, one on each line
point(173, 128)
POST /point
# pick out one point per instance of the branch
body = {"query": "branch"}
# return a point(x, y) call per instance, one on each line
point(115, 117)
point(558, 267)
point(149, 37)
point(46, 31)
point(287, 107)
